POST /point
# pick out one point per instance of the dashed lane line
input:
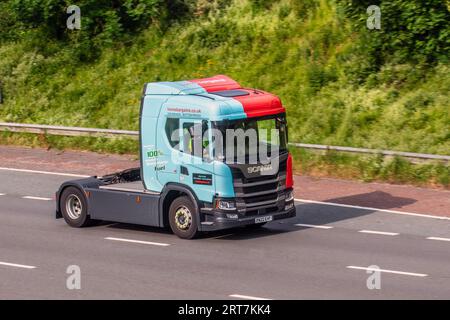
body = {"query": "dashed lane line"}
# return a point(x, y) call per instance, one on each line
point(313, 226)
point(15, 265)
point(138, 241)
point(36, 198)
point(240, 296)
point(438, 239)
point(383, 233)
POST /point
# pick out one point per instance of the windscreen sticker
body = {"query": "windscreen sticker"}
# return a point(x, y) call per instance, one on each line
point(202, 178)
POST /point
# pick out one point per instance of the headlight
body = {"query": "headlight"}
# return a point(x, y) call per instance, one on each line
point(225, 205)
point(290, 196)
point(288, 206)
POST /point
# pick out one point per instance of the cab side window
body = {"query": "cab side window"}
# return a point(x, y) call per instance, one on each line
point(188, 137)
point(172, 126)
point(195, 139)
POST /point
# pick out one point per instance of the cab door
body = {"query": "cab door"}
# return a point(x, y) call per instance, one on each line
point(167, 164)
point(196, 166)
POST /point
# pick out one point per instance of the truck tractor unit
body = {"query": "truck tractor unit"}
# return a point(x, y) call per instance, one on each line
point(183, 182)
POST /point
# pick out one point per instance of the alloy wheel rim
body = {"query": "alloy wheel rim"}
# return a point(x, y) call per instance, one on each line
point(183, 218)
point(74, 207)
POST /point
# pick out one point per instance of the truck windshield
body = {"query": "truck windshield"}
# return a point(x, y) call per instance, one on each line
point(249, 138)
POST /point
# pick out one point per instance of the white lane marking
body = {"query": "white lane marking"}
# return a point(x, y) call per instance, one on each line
point(374, 209)
point(438, 239)
point(45, 172)
point(390, 271)
point(2, 194)
point(138, 241)
point(379, 232)
point(37, 198)
point(240, 296)
point(313, 226)
point(15, 265)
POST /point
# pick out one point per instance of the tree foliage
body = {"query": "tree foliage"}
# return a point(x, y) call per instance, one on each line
point(411, 31)
point(104, 22)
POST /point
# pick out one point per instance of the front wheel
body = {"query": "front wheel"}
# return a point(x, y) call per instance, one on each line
point(73, 206)
point(183, 218)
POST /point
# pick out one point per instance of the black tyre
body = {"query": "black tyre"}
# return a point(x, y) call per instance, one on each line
point(183, 218)
point(73, 206)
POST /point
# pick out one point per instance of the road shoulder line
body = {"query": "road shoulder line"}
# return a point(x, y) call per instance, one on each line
point(45, 172)
point(373, 209)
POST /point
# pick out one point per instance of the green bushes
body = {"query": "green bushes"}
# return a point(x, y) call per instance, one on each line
point(104, 23)
point(412, 31)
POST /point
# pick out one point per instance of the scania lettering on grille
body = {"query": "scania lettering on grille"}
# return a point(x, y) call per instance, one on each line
point(261, 168)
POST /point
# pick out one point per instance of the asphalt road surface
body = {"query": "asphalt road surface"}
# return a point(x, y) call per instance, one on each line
point(323, 253)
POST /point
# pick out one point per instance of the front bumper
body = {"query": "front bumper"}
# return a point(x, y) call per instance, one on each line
point(215, 223)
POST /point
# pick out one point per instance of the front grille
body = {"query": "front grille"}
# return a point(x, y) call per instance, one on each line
point(255, 200)
point(259, 195)
point(261, 187)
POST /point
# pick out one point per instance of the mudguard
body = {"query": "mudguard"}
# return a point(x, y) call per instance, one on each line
point(82, 184)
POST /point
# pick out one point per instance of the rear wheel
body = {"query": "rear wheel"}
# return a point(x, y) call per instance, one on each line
point(183, 218)
point(73, 206)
